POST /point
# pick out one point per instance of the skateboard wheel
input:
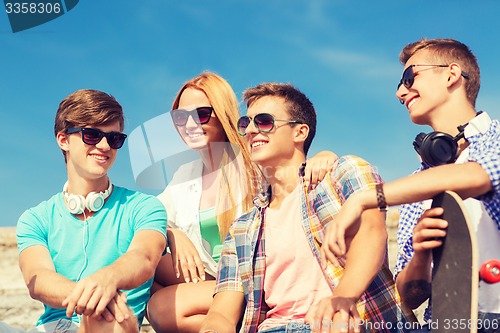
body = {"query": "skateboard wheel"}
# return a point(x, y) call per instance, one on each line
point(490, 271)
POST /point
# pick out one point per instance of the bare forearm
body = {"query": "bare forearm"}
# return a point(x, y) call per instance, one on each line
point(216, 321)
point(467, 180)
point(43, 282)
point(224, 313)
point(131, 270)
point(414, 282)
point(49, 287)
point(138, 264)
point(371, 239)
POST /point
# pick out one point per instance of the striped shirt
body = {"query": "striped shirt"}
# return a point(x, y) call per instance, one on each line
point(242, 265)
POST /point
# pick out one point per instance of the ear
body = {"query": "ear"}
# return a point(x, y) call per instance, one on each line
point(454, 74)
point(62, 141)
point(301, 132)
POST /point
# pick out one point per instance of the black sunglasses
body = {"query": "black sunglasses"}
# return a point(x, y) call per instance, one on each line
point(200, 115)
point(409, 75)
point(93, 136)
point(264, 122)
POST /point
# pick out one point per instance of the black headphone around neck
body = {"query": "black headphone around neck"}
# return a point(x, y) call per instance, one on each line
point(438, 148)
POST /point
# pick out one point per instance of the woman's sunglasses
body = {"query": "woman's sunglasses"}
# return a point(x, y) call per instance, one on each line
point(264, 122)
point(409, 75)
point(200, 115)
point(93, 136)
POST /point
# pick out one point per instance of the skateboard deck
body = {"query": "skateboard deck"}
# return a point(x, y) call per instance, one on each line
point(455, 274)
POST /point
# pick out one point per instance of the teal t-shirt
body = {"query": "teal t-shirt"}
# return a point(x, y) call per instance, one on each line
point(79, 249)
point(210, 231)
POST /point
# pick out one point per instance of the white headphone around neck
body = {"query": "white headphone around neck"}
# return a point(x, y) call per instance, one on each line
point(94, 201)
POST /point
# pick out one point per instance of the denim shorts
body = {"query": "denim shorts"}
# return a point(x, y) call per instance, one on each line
point(58, 326)
point(291, 327)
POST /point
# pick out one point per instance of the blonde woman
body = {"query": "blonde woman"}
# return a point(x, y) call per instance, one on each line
point(203, 199)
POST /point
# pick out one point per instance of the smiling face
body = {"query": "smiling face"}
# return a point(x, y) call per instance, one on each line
point(429, 91)
point(195, 135)
point(270, 149)
point(90, 162)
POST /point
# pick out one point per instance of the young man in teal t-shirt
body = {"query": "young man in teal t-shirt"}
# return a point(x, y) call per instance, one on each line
point(89, 252)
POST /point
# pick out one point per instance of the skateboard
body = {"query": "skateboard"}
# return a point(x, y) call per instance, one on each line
point(455, 274)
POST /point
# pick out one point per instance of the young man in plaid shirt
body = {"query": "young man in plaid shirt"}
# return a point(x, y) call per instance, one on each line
point(271, 278)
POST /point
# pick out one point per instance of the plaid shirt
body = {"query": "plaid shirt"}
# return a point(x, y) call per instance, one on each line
point(242, 265)
point(484, 148)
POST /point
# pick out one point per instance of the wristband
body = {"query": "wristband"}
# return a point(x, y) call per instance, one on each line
point(382, 204)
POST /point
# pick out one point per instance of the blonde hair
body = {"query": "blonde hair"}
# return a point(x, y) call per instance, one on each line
point(238, 174)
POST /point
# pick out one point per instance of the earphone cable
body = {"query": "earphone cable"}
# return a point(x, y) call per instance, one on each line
point(85, 241)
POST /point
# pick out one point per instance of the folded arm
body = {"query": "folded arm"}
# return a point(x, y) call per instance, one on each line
point(467, 180)
point(360, 269)
point(224, 313)
point(43, 282)
point(370, 240)
point(414, 281)
point(136, 266)
point(52, 289)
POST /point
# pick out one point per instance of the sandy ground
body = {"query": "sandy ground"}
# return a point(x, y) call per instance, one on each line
point(19, 310)
point(16, 307)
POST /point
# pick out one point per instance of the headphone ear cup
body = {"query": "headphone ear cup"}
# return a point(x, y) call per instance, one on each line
point(438, 148)
point(75, 203)
point(417, 143)
point(94, 201)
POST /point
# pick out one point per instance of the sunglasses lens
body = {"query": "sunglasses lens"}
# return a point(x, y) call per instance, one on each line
point(204, 114)
point(408, 77)
point(243, 123)
point(91, 136)
point(264, 122)
point(179, 117)
point(200, 115)
point(116, 140)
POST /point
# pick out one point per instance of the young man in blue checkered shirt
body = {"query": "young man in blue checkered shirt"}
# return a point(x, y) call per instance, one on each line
point(439, 87)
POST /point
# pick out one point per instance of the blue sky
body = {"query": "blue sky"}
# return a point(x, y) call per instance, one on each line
point(342, 54)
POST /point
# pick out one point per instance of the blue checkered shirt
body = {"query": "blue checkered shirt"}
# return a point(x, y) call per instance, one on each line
point(484, 148)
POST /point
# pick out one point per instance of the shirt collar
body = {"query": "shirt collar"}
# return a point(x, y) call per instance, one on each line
point(478, 125)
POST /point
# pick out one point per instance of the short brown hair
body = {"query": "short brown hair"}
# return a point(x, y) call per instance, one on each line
point(87, 107)
point(449, 51)
point(299, 107)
